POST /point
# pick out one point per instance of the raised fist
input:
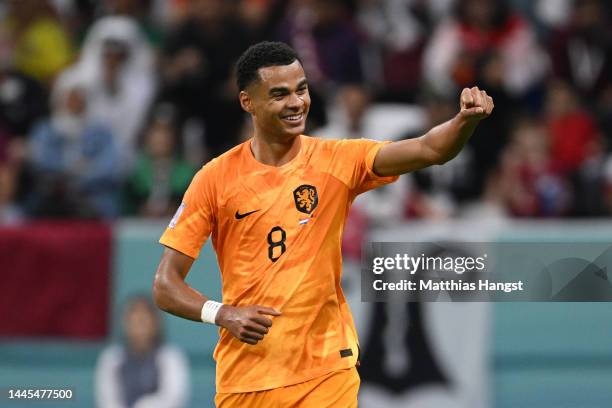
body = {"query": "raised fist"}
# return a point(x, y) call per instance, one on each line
point(475, 104)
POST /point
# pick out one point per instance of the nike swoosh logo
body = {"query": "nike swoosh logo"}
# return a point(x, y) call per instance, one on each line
point(246, 214)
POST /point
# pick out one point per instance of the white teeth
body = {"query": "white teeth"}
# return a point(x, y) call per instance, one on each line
point(294, 117)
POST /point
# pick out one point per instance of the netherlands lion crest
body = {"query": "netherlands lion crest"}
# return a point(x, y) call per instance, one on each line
point(306, 198)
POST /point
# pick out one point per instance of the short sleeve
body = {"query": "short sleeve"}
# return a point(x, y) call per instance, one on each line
point(359, 155)
point(195, 217)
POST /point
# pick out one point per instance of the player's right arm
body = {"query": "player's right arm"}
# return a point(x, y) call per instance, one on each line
point(170, 291)
point(248, 324)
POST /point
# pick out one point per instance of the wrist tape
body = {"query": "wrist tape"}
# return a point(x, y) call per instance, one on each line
point(210, 310)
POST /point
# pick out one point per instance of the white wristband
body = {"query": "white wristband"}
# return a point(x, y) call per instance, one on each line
point(210, 310)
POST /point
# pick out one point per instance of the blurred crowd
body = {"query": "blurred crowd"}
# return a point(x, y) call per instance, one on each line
point(107, 108)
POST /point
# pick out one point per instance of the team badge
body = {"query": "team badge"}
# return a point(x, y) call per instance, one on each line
point(306, 198)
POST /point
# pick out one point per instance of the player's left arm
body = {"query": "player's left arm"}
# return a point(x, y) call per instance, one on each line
point(441, 143)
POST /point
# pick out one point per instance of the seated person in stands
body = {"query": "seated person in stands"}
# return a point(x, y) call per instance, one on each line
point(142, 371)
point(75, 159)
point(160, 177)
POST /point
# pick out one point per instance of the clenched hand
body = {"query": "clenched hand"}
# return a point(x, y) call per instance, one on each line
point(248, 324)
point(475, 104)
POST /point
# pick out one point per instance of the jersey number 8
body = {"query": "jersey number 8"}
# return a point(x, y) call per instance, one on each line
point(276, 247)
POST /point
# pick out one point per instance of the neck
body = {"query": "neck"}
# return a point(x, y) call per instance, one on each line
point(275, 153)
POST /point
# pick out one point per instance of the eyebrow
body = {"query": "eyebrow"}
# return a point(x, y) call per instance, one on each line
point(284, 89)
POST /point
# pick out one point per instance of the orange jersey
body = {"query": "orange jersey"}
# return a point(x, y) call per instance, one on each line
point(277, 232)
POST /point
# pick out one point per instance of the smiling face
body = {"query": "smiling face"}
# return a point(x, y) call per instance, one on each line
point(278, 101)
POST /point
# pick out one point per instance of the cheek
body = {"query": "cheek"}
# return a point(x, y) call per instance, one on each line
point(274, 108)
point(261, 110)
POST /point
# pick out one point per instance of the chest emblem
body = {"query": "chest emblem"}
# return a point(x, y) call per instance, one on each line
point(306, 198)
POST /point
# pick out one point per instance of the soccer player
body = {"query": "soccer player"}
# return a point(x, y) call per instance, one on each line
point(275, 206)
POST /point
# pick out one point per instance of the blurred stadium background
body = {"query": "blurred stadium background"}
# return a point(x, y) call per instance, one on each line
point(107, 108)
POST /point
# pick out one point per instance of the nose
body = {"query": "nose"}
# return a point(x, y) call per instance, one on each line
point(295, 102)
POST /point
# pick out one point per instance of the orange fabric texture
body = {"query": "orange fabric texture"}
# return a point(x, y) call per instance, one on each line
point(336, 389)
point(277, 232)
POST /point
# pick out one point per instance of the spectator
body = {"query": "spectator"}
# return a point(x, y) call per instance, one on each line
point(23, 101)
point(160, 177)
point(197, 73)
point(572, 131)
point(397, 32)
point(75, 158)
point(329, 49)
point(41, 47)
point(262, 17)
point(347, 114)
point(141, 11)
point(143, 371)
point(478, 28)
point(526, 181)
point(118, 67)
point(581, 51)
point(577, 148)
point(327, 39)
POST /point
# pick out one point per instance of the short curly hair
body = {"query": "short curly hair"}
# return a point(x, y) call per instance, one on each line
point(261, 55)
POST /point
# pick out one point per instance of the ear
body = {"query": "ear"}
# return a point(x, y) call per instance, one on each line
point(245, 102)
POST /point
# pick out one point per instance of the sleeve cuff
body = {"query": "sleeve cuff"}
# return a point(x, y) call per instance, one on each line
point(369, 163)
point(190, 252)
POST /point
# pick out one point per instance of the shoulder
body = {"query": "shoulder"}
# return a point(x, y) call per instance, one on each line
point(211, 176)
point(320, 144)
point(342, 145)
point(339, 148)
